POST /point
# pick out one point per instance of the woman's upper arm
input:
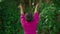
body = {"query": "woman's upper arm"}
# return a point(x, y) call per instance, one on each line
point(22, 19)
point(36, 17)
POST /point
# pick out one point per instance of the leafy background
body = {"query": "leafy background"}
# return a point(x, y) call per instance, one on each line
point(49, 13)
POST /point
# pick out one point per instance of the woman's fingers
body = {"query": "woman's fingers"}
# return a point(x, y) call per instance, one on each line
point(37, 5)
point(20, 6)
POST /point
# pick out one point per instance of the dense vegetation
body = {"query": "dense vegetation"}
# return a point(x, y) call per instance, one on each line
point(49, 13)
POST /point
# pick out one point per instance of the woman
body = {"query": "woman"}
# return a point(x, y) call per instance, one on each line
point(29, 21)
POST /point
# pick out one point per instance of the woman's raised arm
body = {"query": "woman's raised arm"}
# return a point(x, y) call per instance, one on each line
point(36, 8)
point(21, 8)
point(22, 18)
point(36, 16)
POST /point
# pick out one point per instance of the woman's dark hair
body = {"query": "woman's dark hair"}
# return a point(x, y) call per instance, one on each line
point(28, 16)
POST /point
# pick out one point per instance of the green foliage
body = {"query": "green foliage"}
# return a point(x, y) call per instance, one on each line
point(9, 18)
point(47, 19)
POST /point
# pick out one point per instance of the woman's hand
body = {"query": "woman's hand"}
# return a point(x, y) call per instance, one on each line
point(36, 8)
point(21, 8)
point(37, 5)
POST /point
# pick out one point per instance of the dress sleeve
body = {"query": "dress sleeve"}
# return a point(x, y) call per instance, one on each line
point(36, 17)
point(22, 19)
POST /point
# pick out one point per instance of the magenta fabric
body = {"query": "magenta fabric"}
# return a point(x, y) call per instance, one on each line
point(29, 27)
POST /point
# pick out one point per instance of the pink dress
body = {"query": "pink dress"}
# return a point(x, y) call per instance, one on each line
point(29, 28)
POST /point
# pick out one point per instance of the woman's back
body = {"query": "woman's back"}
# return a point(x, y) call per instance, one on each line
point(29, 27)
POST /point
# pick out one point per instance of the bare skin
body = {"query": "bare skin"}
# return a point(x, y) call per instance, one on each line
point(21, 8)
point(36, 8)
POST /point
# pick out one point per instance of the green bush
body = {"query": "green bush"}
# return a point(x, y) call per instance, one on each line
point(10, 24)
